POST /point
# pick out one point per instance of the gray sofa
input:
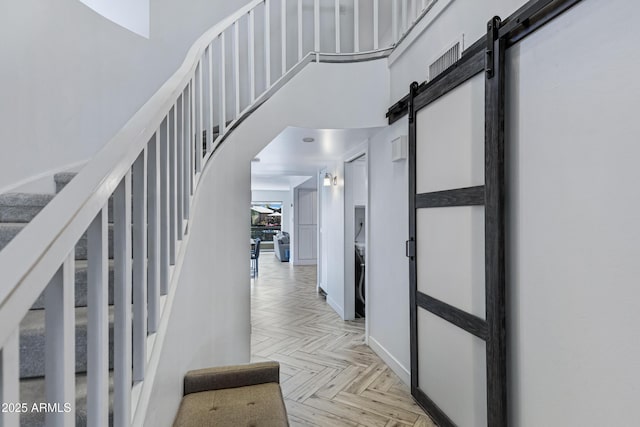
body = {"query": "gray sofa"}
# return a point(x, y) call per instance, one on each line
point(241, 395)
point(281, 246)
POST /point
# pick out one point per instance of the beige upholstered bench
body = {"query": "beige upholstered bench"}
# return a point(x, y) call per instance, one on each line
point(239, 396)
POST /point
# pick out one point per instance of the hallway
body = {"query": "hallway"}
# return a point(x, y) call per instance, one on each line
point(328, 376)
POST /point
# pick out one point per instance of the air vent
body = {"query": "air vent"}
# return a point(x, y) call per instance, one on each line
point(445, 61)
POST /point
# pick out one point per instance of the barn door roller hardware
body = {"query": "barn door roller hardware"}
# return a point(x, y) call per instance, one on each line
point(493, 27)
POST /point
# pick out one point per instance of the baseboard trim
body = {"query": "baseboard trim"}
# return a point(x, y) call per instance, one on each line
point(390, 360)
point(336, 307)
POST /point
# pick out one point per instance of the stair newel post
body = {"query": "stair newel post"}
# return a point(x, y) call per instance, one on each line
point(139, 265)
point(9, 378)
point(173, 198)
point(60, 345)
point(179, 166)
point(164, 207)
point(98, 321)
point(153, 233)
point(122, 351)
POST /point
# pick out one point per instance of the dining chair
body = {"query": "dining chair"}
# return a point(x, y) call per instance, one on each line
point(255, 254)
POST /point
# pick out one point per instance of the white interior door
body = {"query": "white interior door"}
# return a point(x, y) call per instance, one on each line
point(306, 226)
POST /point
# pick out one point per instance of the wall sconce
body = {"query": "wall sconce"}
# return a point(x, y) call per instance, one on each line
point(328, 180)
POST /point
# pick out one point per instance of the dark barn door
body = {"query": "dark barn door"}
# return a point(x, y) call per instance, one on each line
point(456, 239)
point(456, 245)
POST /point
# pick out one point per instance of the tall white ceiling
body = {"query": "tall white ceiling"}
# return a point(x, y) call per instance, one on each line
point(288, 161)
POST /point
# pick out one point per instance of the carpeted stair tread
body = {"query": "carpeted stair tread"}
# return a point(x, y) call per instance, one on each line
point(33, 391)
point(22, 207)
point(32, 337)
point(62, 179)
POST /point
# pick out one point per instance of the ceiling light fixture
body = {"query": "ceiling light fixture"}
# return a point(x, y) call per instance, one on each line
point(308, 139)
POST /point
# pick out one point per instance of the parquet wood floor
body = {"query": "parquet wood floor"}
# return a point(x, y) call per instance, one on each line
point(329, 377)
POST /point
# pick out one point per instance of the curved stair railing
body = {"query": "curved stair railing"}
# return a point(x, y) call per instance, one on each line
point(135, 196)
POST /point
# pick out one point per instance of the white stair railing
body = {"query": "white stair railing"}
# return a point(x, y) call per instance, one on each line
point(151, 169)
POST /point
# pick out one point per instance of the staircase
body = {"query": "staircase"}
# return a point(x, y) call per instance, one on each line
point(16, 211)
point(89, 276)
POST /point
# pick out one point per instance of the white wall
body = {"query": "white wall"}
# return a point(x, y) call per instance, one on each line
point(333, 231)
point(212, 277)
point(210, 320)
point(387, 266)
point(274, 196)
point(71, 78)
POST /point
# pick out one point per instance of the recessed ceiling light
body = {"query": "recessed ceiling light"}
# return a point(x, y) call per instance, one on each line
point(308, 139)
